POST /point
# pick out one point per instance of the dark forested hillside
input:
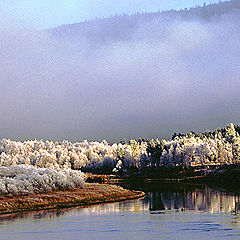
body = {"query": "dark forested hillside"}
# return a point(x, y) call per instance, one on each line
point(122, 27)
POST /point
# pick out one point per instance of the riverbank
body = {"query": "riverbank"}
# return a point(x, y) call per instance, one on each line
point(222, 174)
point(91, 193)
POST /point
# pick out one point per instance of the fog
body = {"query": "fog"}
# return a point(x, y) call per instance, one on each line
point(163, 77)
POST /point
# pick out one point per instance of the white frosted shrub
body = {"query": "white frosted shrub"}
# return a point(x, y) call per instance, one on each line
point(187, 150)
point(25, 179)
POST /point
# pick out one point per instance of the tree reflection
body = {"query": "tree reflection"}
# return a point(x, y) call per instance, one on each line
point(160, 198)
point(205, 199)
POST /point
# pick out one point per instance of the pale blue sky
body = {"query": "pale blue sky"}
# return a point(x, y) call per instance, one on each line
point(49, 13)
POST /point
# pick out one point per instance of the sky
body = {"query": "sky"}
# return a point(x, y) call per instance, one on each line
point(145, 79)
point(42, 14)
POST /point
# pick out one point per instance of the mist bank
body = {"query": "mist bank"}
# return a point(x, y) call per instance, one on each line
point(158, 76)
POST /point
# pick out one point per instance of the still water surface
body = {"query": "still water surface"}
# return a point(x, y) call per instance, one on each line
point(168, 211)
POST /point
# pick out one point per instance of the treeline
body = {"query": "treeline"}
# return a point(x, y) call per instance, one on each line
point(212, 10)
point(183, 151)
point(219, 147)
point(117, 26)
point(123, 28)
point(45, 166)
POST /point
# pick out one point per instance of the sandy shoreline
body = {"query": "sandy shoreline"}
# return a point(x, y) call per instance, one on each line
point(91, 193)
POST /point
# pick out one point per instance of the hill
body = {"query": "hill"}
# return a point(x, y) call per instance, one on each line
point(123, 27)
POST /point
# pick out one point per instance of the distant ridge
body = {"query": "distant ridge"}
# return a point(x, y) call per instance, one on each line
point(205, 11)
point(121, 27)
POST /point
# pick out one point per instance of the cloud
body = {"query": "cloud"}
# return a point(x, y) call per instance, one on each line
point(159, 77)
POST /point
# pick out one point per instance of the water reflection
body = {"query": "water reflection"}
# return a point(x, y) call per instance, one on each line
point(101, 209)
point(160, 199)
point(205, 199)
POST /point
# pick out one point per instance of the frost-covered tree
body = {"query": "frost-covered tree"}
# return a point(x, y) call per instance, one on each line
point(221, 146)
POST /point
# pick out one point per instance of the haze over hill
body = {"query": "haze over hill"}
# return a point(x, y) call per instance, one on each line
point(146, 75)
point(123, 27)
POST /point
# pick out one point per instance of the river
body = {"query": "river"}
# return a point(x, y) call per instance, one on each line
point(169, 211)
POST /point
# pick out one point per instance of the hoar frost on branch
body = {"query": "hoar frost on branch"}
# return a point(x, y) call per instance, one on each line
point(219, 147)
point(25, 179)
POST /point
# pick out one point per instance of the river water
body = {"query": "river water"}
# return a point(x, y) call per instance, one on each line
point(169, 211)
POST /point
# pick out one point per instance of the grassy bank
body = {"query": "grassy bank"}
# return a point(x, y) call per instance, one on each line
point(91, 193)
